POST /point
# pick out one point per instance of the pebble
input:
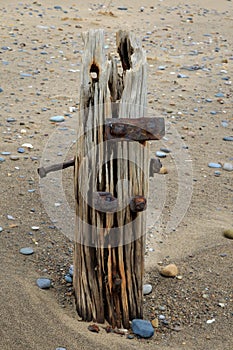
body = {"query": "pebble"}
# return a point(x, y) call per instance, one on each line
point(11, 120)
point(163, 170)
point(228, 233)
point(20, 150)
point(162, 317)
point(170, 270)
point(228, 138)
point(210, 321)
point(161, 154)
point(2, 159)
point(68, 279)
point(147, 289)
point(227, 166)
point(43, 283)
point(1, 229)
point(26, 251)
point(166, 150)
point(14, 158)
point(71, 270)
point(182, 76)
point(27, 145)
point(1, 89)
point(57, 119)
point(122, 8)
point(10, 217)
point(35, 228)
point(5, 153)
point(155, 323)
point(219, 94)
point(143, 328)
point(93, 328)
point(214, 165)
point(60, 348)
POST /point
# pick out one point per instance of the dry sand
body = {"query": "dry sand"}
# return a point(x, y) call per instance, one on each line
point(175, 34)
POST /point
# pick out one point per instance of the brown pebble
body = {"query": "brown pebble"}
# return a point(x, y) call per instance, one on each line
point(93, 328)
point(163, 170)
point(170, 270)
point(228, 233)
point(14, 157)
point(155, 323)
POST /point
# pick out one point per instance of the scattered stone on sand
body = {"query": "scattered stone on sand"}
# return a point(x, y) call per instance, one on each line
point(170, 270)
point(227, 166)
point(163, 170)
point(228, 138)
point(26, 251)
point(14, 158)
point(155, 323)
point(214, 165)
point(143, 328)
point(147, 289)
point(43, 283)
point(228, 233)
point(68, 278)
point(2, 159)
point(57, 119)
point(1, 229)
point(161, 154)
point(71, 270)
point(93, 328)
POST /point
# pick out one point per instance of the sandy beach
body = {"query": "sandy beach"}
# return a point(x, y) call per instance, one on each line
point(190, 69)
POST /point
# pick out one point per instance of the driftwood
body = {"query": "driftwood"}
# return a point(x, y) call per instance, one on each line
point(111, 173)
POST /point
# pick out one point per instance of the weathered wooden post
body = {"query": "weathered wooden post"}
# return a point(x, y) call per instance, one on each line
point(111, 173)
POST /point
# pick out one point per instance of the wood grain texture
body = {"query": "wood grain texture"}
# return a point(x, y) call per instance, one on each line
point(110, 244)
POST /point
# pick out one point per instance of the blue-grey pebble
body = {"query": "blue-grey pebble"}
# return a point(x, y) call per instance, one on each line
point(219, 94)
point(60, 348)
point(71, 270)
point(20, 150)
point(1, 89)
point(214, 165)
point(147, 289)
point(43, 283)
point(11, 120)
point(166, 150)
point(208, 100)
point(161, 154)
point(228, 138)
point(217, 173)
point(5, 153)
point(2, 159)
point(26, 251)
point(122, 8)
point(143, 328)
point(57, 119)
point(228, 166)
point(213, 112)
point(1, 229)
point(25, 75)
point(68, 278)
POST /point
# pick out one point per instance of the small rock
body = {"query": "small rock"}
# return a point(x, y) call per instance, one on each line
point(43, 283)
point(214, 165)
point(182, 76)
point(26, 251)
point(35, 228)
point(93, 328)
point(143, 328)
point(68, 279)
point(227, 166)
point(147, 289)
point(163, 170)
point(60, 348)
point(1, 89)
point(166, 150)
point(20, 150)
point(1, 229)
point(228, 138)
point(162, 317)
point(161, 154)
point(122, 8)
point(2, 159)
point(219, 94)
point(11, 120)
point(228, 233)
point(27, 145)
point(71, 270)
point(57, 119)
point(170, 270)
point(210, 321)
point(14, 158)
point(155, 323)
point(10, 217)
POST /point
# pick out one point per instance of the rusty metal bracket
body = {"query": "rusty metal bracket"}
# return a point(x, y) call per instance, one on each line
point(134, 129)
